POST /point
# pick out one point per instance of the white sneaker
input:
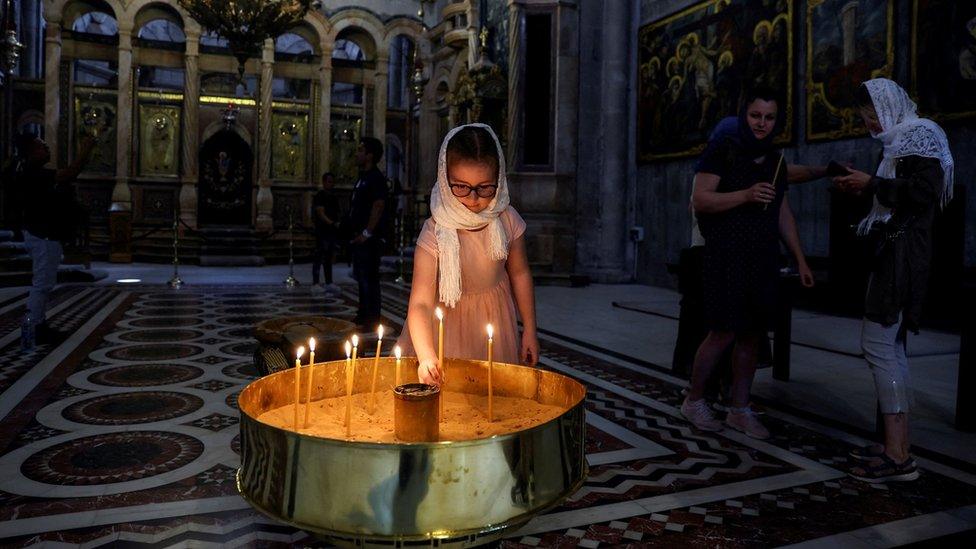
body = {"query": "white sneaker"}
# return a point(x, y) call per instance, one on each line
point(745, 420)
point(698, 413)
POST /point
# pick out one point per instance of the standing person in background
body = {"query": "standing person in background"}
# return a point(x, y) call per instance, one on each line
point(366, 224)
point(325, 214)
point(51, 214)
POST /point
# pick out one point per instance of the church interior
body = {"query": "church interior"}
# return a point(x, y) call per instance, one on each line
point(198, 161)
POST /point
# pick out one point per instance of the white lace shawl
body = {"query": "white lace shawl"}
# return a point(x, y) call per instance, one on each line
point(451, 216)
point(904, 134)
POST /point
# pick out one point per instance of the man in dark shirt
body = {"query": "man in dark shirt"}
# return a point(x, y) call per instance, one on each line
point(325, 213)
point(365, 223)
point(50, 217)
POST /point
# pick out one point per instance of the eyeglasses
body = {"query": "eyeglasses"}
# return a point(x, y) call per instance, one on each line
point(483, 191)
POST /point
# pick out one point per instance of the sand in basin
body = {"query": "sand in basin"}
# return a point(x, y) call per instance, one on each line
point(465, 417)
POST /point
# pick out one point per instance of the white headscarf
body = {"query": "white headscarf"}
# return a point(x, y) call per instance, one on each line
point(451, 216)
point(904, 134)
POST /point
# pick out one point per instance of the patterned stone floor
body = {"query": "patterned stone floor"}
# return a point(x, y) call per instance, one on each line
point(126, 435)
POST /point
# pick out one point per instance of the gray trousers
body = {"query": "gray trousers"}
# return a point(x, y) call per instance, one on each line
point(46, 256)
point(884, 349)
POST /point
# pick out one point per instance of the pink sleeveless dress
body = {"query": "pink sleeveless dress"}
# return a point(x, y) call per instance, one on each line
point(486, 297)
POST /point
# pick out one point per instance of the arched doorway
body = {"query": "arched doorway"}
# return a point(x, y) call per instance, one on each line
point(225, 180)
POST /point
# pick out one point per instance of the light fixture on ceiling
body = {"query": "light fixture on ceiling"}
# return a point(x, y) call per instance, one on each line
point(247, 23)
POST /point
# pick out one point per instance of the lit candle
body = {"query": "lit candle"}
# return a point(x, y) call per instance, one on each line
point(311, 377)
point(298, 365)
point(397, 352)
point(440, 355)
point(348, 385)
point(491, 374)
point(376, 365)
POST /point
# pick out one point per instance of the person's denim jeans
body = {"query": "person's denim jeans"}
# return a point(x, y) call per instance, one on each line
point(884, 348)
point(46, 257)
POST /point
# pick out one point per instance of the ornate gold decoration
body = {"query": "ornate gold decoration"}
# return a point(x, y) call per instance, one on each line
point(159, 131)
point(290, 145)
point(95, 115)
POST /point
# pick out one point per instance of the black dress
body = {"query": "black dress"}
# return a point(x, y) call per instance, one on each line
point(742, 253)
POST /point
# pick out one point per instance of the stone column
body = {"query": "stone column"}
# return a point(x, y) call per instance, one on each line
point(322, 136)
point(515, 36)
point(52, 86)
point(121, 194)
point(191, 131)
point(265, 200)
point(120, 212)
point(28, 25)
point(380, 83)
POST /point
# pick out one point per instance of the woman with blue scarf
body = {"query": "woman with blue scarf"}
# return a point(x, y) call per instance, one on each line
point(742, 211)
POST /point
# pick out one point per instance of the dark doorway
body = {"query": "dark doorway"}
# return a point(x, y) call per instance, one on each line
point(225, 180)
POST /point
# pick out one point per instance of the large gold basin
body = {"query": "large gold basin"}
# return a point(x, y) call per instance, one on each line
point(460, 493)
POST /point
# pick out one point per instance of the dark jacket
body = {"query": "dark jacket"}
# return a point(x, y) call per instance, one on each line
point(900, 274)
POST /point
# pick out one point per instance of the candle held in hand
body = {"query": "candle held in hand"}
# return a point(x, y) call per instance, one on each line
point(348, 386)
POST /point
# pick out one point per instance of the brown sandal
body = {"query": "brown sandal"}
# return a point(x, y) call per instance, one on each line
point(886, 470)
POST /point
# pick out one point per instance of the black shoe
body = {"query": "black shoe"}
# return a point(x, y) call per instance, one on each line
point(46, 335)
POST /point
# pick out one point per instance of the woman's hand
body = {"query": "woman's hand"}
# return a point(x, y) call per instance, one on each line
point(806, 275)
point(854, 182)
point(428, 372)
point(530, 349)
point(762, 193)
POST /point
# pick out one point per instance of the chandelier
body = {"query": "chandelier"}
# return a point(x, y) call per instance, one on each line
point(247, 23)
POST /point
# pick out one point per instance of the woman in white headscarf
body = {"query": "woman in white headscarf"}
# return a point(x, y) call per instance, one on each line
point(471, 261)
point(912, 183)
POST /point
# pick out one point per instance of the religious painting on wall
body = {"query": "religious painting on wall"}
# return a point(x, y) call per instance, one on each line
point(848, 42)
point(345, 131)
point(95, 115)
point(288, 152)
point(944, 58)
point(159, 133)
point(695, 65)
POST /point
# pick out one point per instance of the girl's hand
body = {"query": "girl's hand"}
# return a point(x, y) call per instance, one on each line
point(530, 349)
point(806, 275)
point(428, 372)
point(762, 193)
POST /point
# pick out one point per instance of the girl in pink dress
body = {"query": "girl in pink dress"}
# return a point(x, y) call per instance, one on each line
point(471, 261)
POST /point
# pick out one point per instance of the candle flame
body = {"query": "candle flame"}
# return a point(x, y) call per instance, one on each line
point(355, 340)
point(491, 331)
point(397, 351)
point(301, 351)
point(311, 344)
point(379, 331)
point(439, 313)
point(348, 349)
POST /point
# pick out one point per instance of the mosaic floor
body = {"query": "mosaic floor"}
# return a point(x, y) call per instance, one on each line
point(126, 434)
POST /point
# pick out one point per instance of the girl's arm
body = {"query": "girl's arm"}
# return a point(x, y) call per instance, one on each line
point(798, 173)
point(423, 299)
point(789, 234)
point(521, 277)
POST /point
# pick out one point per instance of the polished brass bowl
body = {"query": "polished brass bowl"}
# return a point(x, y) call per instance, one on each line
point(460, 493)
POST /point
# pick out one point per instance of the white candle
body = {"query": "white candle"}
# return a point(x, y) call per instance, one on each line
point(348, 385)
point(491, 375)
point(311, 377)
point(397, 352)
point(376, 365)
point(298, 365)
point(440, 355)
